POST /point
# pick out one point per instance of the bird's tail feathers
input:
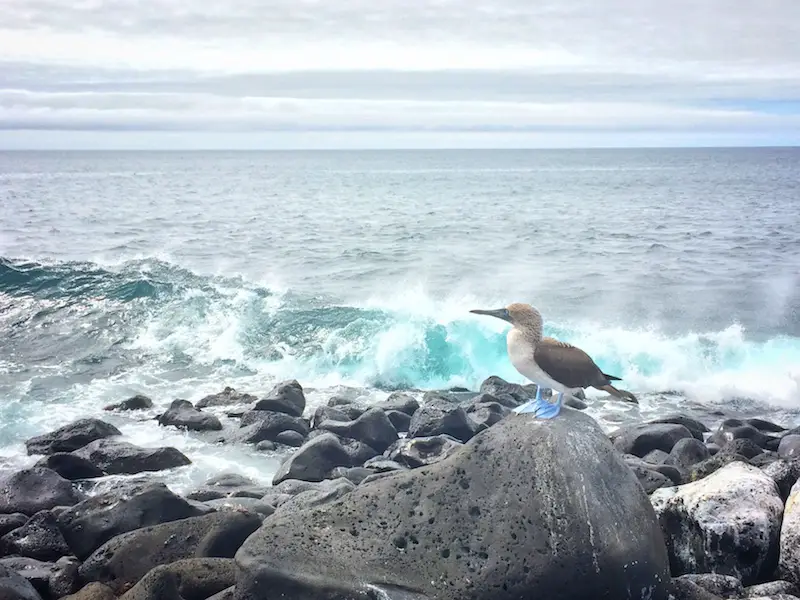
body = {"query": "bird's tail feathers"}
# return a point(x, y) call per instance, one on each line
point(621, 394)
point(612, 377)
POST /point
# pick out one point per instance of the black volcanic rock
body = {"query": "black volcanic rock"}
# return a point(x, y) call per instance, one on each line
point(226, 397)
point(91, 523)
point(71, 437)
point(314, 460)
point(646, 437)
point(33, 490)
point(286, 397)
point(39, 538)
point(117, 458)
point(182, 414)
point(373, 428)
point(70, 466)
point(137, 402)
point(125, 559)
point(470, 526)
point(439, 417)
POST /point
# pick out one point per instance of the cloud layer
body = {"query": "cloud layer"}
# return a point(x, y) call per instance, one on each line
point(602, 69)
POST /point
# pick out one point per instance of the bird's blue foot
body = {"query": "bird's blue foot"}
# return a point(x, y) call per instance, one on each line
point(540, 407)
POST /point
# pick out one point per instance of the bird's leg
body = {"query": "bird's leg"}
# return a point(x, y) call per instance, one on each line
point(548, 410)
point(540, 407)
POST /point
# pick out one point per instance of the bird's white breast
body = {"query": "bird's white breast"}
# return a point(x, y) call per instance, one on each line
point(520, 352)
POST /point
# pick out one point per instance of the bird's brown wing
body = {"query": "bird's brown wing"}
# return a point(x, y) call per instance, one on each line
point(567, 364)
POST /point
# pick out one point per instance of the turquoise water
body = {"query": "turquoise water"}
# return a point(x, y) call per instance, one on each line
point(178, 274)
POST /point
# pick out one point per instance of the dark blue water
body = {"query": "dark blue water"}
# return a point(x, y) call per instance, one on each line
point(177, 274)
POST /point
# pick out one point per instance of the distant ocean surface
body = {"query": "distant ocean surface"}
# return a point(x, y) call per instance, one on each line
point(177, 274)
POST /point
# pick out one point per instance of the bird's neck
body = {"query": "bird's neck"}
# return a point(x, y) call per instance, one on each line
point(529, 335)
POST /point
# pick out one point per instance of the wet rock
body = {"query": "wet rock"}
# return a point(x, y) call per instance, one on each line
point(71, 437)
point(772, 588)
point(693, 425)
point(96, 520)
point(70, 466)
point(688, 452)
point(400, 420)
point(683, 589)
point(649, 479)
point(438, 417)
point(32, 490)
point(137, 402)
point(785, 473)
point(656, 457)
point(646, 437)
point(789, 446)
point(227, 485)
point(226, 594)
point(314, 460)
point(728, 523)
point(328, 492)
point(183, 415)
point(380, 464)
point(743, 447)
point(63, 577)
point(238, 503)
point(485, 525)
point(401, 402)
point(36, 572)
point(290, 438)
point(95, 591)
point(736, 429)
point(324, 413)
point(712, 448)
point(286, 397)
point(373, 428)
point(39, 538)
point(499, 388)
point(226, 397)
point(189, 579)
point(354, 474)
point(713, 464)
point(359, 452)
point(11, 522)
point(764, 459)
point(266, 446)
point(763, 425)
point(724, 586)
point(116, 458)
point(488, 413)
point(125, 559)
point(15, 587)
point(260, 425)
point(421, 451)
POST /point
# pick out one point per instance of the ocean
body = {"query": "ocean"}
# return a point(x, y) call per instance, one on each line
point(177, 274)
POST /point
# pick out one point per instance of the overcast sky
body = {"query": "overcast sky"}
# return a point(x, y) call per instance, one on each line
point(392, 73)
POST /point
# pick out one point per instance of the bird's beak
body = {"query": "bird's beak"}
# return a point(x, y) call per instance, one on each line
point(500, 313)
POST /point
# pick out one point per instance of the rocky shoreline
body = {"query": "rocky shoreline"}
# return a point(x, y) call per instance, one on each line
point(443, 498)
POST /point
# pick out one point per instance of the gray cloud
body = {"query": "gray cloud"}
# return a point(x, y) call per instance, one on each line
point(436, 66)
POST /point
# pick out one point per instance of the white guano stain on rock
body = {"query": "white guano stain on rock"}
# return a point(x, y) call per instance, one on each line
point(790, 537)
point(708, 524)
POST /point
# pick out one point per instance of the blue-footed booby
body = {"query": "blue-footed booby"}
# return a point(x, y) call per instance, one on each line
point(548, 362)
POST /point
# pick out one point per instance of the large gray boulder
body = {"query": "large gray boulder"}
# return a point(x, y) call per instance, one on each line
point(527, 509)
point(727, 523)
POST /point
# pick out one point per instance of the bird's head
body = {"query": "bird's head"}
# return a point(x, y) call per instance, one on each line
point(520, 315)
